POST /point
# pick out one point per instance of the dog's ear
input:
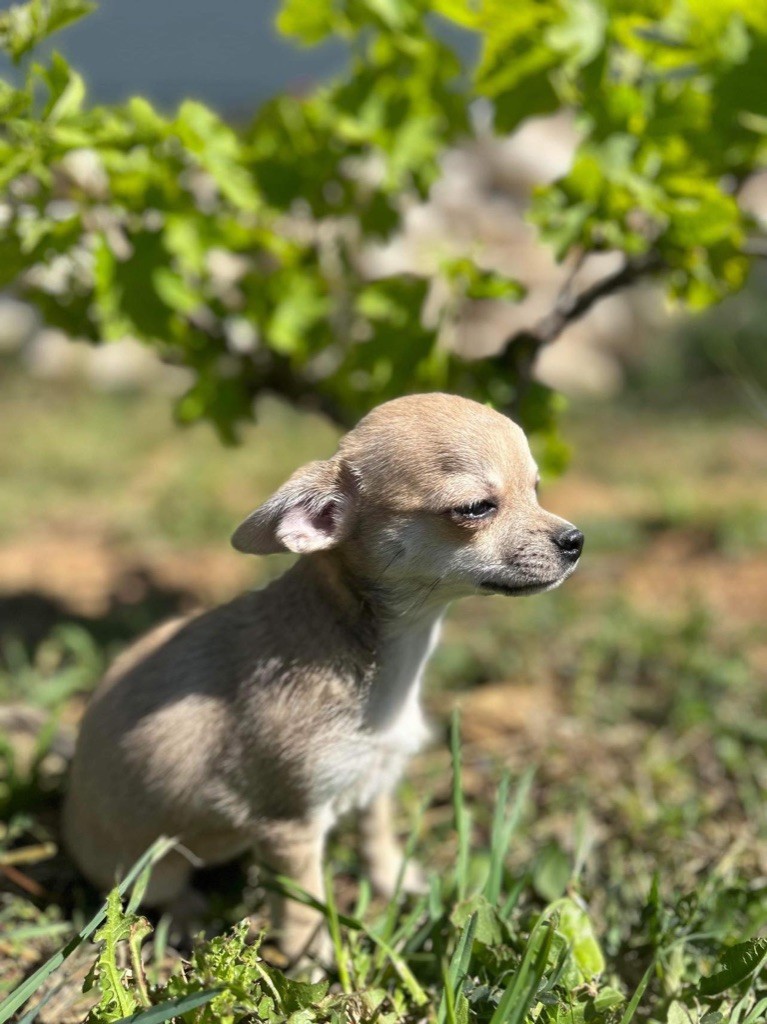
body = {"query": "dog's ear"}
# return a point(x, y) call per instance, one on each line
point(312, 511)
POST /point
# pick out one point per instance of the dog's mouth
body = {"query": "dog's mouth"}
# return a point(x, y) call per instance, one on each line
point(523, 589)
point(520, 590)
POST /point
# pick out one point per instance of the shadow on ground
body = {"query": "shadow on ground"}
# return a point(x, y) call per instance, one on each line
point(136, 602)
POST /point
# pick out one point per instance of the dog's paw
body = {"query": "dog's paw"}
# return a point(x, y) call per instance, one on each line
point(414, 880)
point(308, 956)
point(385, 874)
point(319, 958)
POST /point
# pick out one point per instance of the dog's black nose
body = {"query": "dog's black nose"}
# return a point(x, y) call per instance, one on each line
point(571, 543)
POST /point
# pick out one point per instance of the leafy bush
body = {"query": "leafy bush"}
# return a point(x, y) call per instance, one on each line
point(672, 114)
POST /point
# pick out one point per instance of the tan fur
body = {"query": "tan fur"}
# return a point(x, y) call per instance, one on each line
point(255, 725)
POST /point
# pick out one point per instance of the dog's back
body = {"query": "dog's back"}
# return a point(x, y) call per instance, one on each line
point(211, 723)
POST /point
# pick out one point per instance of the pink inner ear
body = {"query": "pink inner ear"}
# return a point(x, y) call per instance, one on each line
point(303, 529)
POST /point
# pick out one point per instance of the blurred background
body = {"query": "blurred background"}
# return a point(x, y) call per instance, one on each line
point(176, 49)
point(112, 517)
point(646, 671)
point(665, 411)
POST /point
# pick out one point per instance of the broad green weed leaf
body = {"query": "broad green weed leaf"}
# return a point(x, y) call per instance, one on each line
point(679, 1014)
point(608, 998)
point(574, 923)
point(736, 964)
point(488, 928)
point(551, 872)
point(118, 998)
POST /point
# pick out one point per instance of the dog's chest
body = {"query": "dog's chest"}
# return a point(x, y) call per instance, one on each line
point(357, 767)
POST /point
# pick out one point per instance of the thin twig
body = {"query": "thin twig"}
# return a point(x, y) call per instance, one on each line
point(570, 307)
point(519, 353)
point(23, 881)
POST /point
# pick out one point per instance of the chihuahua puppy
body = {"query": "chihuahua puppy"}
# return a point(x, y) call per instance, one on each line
point(255, 725)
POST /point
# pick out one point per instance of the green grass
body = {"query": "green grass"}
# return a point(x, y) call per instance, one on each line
point(70, 458)
point(594, 831)
point(560, 888)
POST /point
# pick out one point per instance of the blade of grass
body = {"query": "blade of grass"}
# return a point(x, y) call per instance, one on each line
point(635, 999)
point(516, 985)
point(517, 999)
point(170, 1009)
point(447, 1005)
point(23, 992)
point(406, 928)
point(37, 931)
point(364, 896)
point(388, 930)
point(513, 898)
point(160, 942)
point(31, 1015)
point(458, 969)
point(584, 841)
point(536, 977)
point(459, 963)
point(758, 1012)
point(460, 811)
point(495, 871)
point(505, 824)
point(416, 939)
point(406, 931)
point(334, 928)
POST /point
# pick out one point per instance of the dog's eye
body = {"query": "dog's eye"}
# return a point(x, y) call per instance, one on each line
point(476, 510)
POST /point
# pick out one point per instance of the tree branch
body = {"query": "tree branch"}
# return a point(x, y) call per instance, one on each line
point(570, 307)
point(279, 377)
point(521, 350)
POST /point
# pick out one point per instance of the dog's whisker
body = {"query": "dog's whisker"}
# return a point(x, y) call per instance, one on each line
point(428, 591)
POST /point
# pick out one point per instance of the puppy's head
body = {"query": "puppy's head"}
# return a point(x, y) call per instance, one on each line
point(429, 493)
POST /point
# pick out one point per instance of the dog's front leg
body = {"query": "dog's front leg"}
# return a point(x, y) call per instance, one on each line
point(295, 849)
point(382, 852)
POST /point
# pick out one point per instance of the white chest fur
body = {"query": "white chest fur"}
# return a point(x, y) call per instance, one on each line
point(358, 767)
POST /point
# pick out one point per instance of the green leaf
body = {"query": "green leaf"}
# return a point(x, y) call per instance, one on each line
point(736, 964)
point(309, 21)
point(66, 89)
point(474, 282)
point(175, 291)
point(301, 305)
point(608, 998)
point(218, 150)
point(671, 115)
point(679, 1014)
point(119, 997)
point(24, 26)
point(551, 872)
point(299, 995)
point(581, 35)
point(575, 925)
point(488, 930)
